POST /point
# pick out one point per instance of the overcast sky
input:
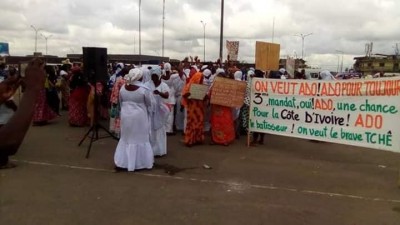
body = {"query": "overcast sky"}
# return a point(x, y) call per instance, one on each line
point(344, 25)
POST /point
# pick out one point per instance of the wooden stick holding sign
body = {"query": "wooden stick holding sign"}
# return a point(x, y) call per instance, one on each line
point(248, 124)
point(198, 91)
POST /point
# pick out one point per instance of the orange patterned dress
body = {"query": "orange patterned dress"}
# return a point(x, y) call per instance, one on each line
point(222, 126)
point(195, 114)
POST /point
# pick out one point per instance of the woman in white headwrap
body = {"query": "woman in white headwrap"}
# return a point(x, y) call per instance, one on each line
point(236, 111)
point(180, 115)
point(134, 149)
point(158, 137)
point(170, 78)
point(326, 75)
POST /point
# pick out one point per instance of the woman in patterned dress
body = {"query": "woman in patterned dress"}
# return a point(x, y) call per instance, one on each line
point(222, 123)
point(77, 109)
point(43, 112)
point(115, 118)
point(194, 133)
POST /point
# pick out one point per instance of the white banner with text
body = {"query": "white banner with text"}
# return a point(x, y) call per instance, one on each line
point(353, 112)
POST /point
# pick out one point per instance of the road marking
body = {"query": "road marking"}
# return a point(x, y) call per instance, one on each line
point(236, 185)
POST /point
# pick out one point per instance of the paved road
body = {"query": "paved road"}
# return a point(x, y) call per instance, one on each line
point(286, 181)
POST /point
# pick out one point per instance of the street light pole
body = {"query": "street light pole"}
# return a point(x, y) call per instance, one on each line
point(140, 34)
point(341, 64)
point(337, 69)
point(302, 42)
point(204, 40)
point(163, 25)
point(36, 33)
point(221, 37)
point(46, 38)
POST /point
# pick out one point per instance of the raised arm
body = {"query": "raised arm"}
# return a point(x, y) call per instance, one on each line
point(13, 133)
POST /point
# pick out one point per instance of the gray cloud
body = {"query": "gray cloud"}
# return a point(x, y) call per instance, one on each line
point(344, 25)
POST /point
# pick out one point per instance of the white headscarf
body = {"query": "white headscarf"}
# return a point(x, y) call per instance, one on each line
point(250, 74)
point(186, 72)
point(197, 69)
point(167, 67)
point(156, 70)
point(238, 75)
point(220, 70)
point(326, 75)
point(133, 75)
point(207, 72)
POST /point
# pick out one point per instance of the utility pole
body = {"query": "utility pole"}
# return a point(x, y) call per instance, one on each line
point(302, 42)
point(221, 37)
point(46, 38)
point(273, 29)
point(163, 26)
point(337, 69)
point(36, 33)
point(140, 34)
point(204, 40)
point(341, 64)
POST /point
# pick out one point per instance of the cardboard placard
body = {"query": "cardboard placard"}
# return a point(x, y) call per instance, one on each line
point(198, 91)
point(228, 92)
point(267, 56)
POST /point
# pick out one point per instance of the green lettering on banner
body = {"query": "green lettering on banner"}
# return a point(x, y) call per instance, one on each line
point(286, 102)
point(275, 115)
point(333, 133)
point(344, 106)
point(358, 112)
point(378, 108)
point(351, 136)
point(264, 125)
point(251, 124)
point(259, 113)
point(318, 132)
point(380, 139)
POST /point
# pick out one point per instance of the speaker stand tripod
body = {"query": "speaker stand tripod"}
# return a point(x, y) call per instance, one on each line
point(93, 135)
point(93, 132)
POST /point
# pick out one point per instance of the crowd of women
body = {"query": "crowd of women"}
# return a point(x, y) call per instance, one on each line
point(150, 103)
point(67, 89)
point(146, 104)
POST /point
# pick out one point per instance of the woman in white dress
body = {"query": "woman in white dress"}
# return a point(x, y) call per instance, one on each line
point(158, 137)
point(134, 149)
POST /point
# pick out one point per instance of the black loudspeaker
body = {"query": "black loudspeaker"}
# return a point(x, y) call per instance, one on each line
point(95, 64)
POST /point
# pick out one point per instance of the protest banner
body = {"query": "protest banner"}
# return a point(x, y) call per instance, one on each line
point(267, 56)
point(233, 50)
point(290, 66)
point(228, 92)
point(354, 112)
point(198, 91)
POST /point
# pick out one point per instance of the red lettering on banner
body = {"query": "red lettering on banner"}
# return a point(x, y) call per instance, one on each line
point(261, 86)
point(323, 104)
point(283, 88)
point(308, 89)
point(369, 121)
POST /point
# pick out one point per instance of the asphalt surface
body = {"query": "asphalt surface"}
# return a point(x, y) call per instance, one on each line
point(285, 181)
